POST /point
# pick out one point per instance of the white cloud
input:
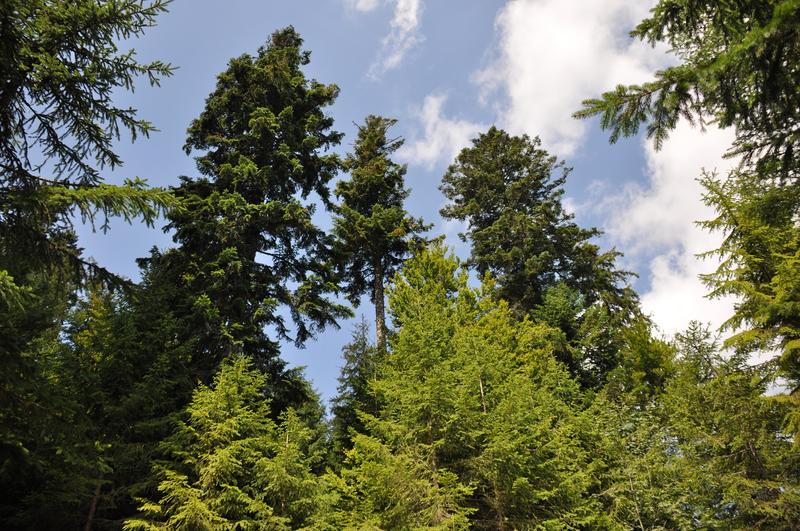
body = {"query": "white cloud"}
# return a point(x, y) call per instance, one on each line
point(442, 137)
point(552, 54)
point(657, 223)
point(403, 35)
point(362, 5)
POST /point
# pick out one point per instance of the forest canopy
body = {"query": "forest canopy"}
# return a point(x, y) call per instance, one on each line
point(520, 386)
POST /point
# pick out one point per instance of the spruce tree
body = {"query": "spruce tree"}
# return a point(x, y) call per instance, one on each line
point(61, 64)
point(374, 232)
point(508, 190)
point(249, 253)
point(61, 67)
point(233, 466)
point(474, 400)
point(353, 399)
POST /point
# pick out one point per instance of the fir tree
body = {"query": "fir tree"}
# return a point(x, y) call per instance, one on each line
point(374, 233)
point(234, 467)
point(361, 360)
point(249, 253)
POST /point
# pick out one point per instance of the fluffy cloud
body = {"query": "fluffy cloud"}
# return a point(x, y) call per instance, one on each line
point(656, 224)
point(442, 138)
point(552, 54)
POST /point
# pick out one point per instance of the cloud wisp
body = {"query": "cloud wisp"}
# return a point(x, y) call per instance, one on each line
point(362, 5)
point(403, 34)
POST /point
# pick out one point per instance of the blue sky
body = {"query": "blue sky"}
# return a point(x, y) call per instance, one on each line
point(447, 69)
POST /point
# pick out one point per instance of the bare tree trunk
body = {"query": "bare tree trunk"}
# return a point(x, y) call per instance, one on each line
point(483, 397)
point(380, 311)
point(92, 508)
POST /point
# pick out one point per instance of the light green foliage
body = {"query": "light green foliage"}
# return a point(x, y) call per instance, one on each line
point(470, 392)
point(235, 468)
point(740, 465)
point(707, 451)
point(646, 363)
point(382, 488)
point(760, 264)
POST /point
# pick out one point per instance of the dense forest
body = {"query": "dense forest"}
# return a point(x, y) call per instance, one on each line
point(521, 387)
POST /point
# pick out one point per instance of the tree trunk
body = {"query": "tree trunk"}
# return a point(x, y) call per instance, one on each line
point(92, 508)
point(380, 312)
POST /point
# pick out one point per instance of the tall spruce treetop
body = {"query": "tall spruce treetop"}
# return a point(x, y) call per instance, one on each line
point(508, 190)
point(247, 242)
point(374, 233)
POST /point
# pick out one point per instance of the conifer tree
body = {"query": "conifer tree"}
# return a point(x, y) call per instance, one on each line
point(234, 467)
point(508, 191)
point(738, 68)
point(248, 251)
point(699, 446)
point(374, 232)
point(61, 64)
point(474, 400)
point(361, 360)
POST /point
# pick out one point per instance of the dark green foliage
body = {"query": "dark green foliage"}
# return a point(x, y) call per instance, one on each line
point(361, 360)
point(739, 67)
point(247, 243)
point(374, 233)
point(592, 336)
point(49, 463)
point(508, 190)
point(60, 65)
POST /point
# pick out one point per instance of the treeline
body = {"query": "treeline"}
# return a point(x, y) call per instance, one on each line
point(520, 388)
